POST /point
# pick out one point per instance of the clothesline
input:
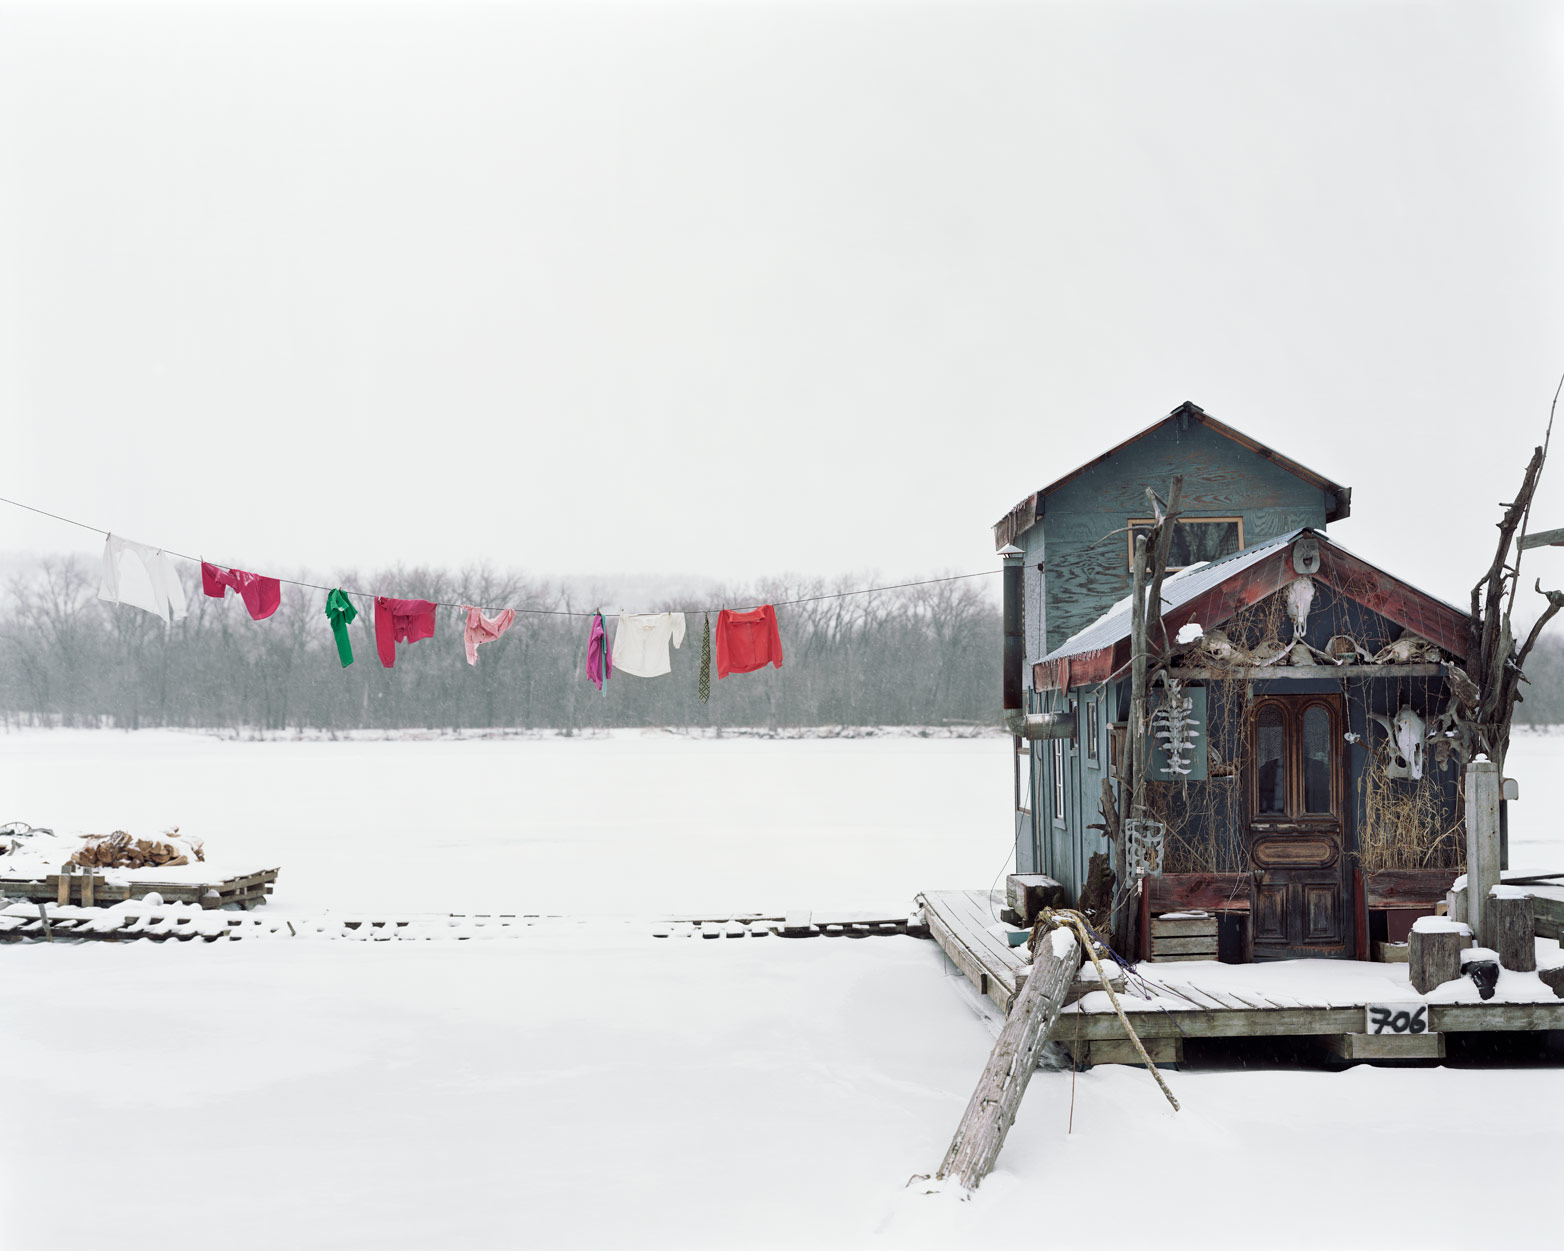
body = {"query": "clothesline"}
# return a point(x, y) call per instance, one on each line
point(550, 612)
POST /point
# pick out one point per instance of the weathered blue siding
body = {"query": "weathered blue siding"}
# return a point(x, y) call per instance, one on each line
point(1086, 561)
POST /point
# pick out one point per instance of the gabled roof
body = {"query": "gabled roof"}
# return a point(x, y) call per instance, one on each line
point(1210, 594)
point(1024, 515)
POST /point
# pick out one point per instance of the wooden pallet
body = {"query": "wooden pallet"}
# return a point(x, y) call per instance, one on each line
point(90, 889)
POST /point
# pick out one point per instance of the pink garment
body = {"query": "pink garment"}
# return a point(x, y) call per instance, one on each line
point(600, 660)
point(401, 621)
point(481, 629)
point(261, 595)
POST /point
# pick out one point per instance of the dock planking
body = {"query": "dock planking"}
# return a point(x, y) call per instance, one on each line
point(1191, 1006)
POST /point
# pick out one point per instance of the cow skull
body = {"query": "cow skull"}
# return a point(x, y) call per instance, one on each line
point(1407, 733)
point(1300, 595)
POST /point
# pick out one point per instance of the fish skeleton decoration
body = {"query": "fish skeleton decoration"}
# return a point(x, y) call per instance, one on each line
point(1174, 724)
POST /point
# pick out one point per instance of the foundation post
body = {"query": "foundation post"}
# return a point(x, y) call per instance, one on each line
point(1482, 839)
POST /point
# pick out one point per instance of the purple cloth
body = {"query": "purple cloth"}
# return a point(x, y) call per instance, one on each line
point(600, 660)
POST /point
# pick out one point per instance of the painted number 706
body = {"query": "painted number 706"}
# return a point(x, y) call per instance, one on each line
point(1390, 1019)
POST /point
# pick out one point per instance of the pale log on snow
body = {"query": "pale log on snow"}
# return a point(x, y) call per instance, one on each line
point(993, 1106)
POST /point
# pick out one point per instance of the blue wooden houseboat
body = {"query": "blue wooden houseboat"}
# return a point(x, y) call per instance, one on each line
point(1302, 785)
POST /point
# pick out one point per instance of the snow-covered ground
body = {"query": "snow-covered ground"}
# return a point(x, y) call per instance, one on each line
point(631, 821)
point(586, 1084)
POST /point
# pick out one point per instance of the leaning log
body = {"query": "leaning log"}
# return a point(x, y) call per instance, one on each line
point(993, 1106)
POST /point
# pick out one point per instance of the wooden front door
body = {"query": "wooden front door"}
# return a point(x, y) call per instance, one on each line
point(1296, 839)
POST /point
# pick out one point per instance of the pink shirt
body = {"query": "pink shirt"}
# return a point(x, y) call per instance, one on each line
point(481, 629)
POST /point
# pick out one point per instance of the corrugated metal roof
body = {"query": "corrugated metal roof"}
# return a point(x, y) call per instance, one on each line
point(1177, 589)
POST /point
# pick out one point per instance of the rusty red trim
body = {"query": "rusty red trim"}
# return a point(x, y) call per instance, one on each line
point(1407, 606)
point(1082, 669)
point(1247, 587)
point(1427, 617)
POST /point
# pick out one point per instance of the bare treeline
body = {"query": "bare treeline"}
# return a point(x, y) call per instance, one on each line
point(921, 655)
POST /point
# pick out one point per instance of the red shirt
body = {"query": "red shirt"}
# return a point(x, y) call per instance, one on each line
point(261, 595)
point(747, 641)
point(401, 621)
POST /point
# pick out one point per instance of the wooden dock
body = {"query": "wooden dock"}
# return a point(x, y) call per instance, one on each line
point(1328, 1000)
point(92, 888)
point(797, 924)
point(41, 921)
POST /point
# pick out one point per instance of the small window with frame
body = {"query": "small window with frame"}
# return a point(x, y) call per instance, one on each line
point(1058, 745)
point(1195, 541)
point(1023, 776)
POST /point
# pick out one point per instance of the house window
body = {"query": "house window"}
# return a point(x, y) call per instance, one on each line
point(1092, 731)
point(1295, 774)
point(1195, 539)
point(1023, 777)
point(1058, 745)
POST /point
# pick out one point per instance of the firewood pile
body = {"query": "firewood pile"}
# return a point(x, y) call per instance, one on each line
point(120, 851)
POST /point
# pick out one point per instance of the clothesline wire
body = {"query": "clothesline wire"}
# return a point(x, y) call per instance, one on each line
point(549, 612)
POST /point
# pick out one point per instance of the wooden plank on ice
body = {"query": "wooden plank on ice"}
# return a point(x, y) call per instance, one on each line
point(1267, 1022)
point(1425, 1046)
point(1456, 1017)
point(1122, 1051)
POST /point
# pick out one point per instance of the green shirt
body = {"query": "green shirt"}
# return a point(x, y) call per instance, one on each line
point(340, 612)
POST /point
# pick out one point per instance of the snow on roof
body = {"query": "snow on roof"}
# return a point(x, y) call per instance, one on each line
point(1187, 585)
point(1177, 589)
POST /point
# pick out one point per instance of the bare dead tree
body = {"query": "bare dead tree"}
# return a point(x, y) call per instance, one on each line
point(1485, 694)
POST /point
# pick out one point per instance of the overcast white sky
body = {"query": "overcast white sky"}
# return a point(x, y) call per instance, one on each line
point(744, 288)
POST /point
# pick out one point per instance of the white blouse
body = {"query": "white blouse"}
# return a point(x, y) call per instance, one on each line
point(641, 642)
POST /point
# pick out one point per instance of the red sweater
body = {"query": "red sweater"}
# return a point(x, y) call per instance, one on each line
point(747, 641)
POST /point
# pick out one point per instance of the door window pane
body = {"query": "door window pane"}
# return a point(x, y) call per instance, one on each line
point(1316, 759)
point(1270, 762)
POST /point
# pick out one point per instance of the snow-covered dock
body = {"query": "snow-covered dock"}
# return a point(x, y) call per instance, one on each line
point(192, 884)
point(1334, 1001)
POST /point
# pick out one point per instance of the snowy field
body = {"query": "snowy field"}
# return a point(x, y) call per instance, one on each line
point(586, 1084)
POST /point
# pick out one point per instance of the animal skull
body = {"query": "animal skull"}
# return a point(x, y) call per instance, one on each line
point(1407, 650)
point(1299, 596)
point(1407, 734)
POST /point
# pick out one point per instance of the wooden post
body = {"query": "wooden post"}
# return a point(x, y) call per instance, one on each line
point(1139, 755)
point(1507, 928)
point(993, 1106)
point(1482, 839)
point(1136, 749)
point(1434, 952)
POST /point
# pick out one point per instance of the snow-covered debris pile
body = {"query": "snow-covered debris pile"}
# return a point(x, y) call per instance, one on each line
point(17, 838)
point(120, 851)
